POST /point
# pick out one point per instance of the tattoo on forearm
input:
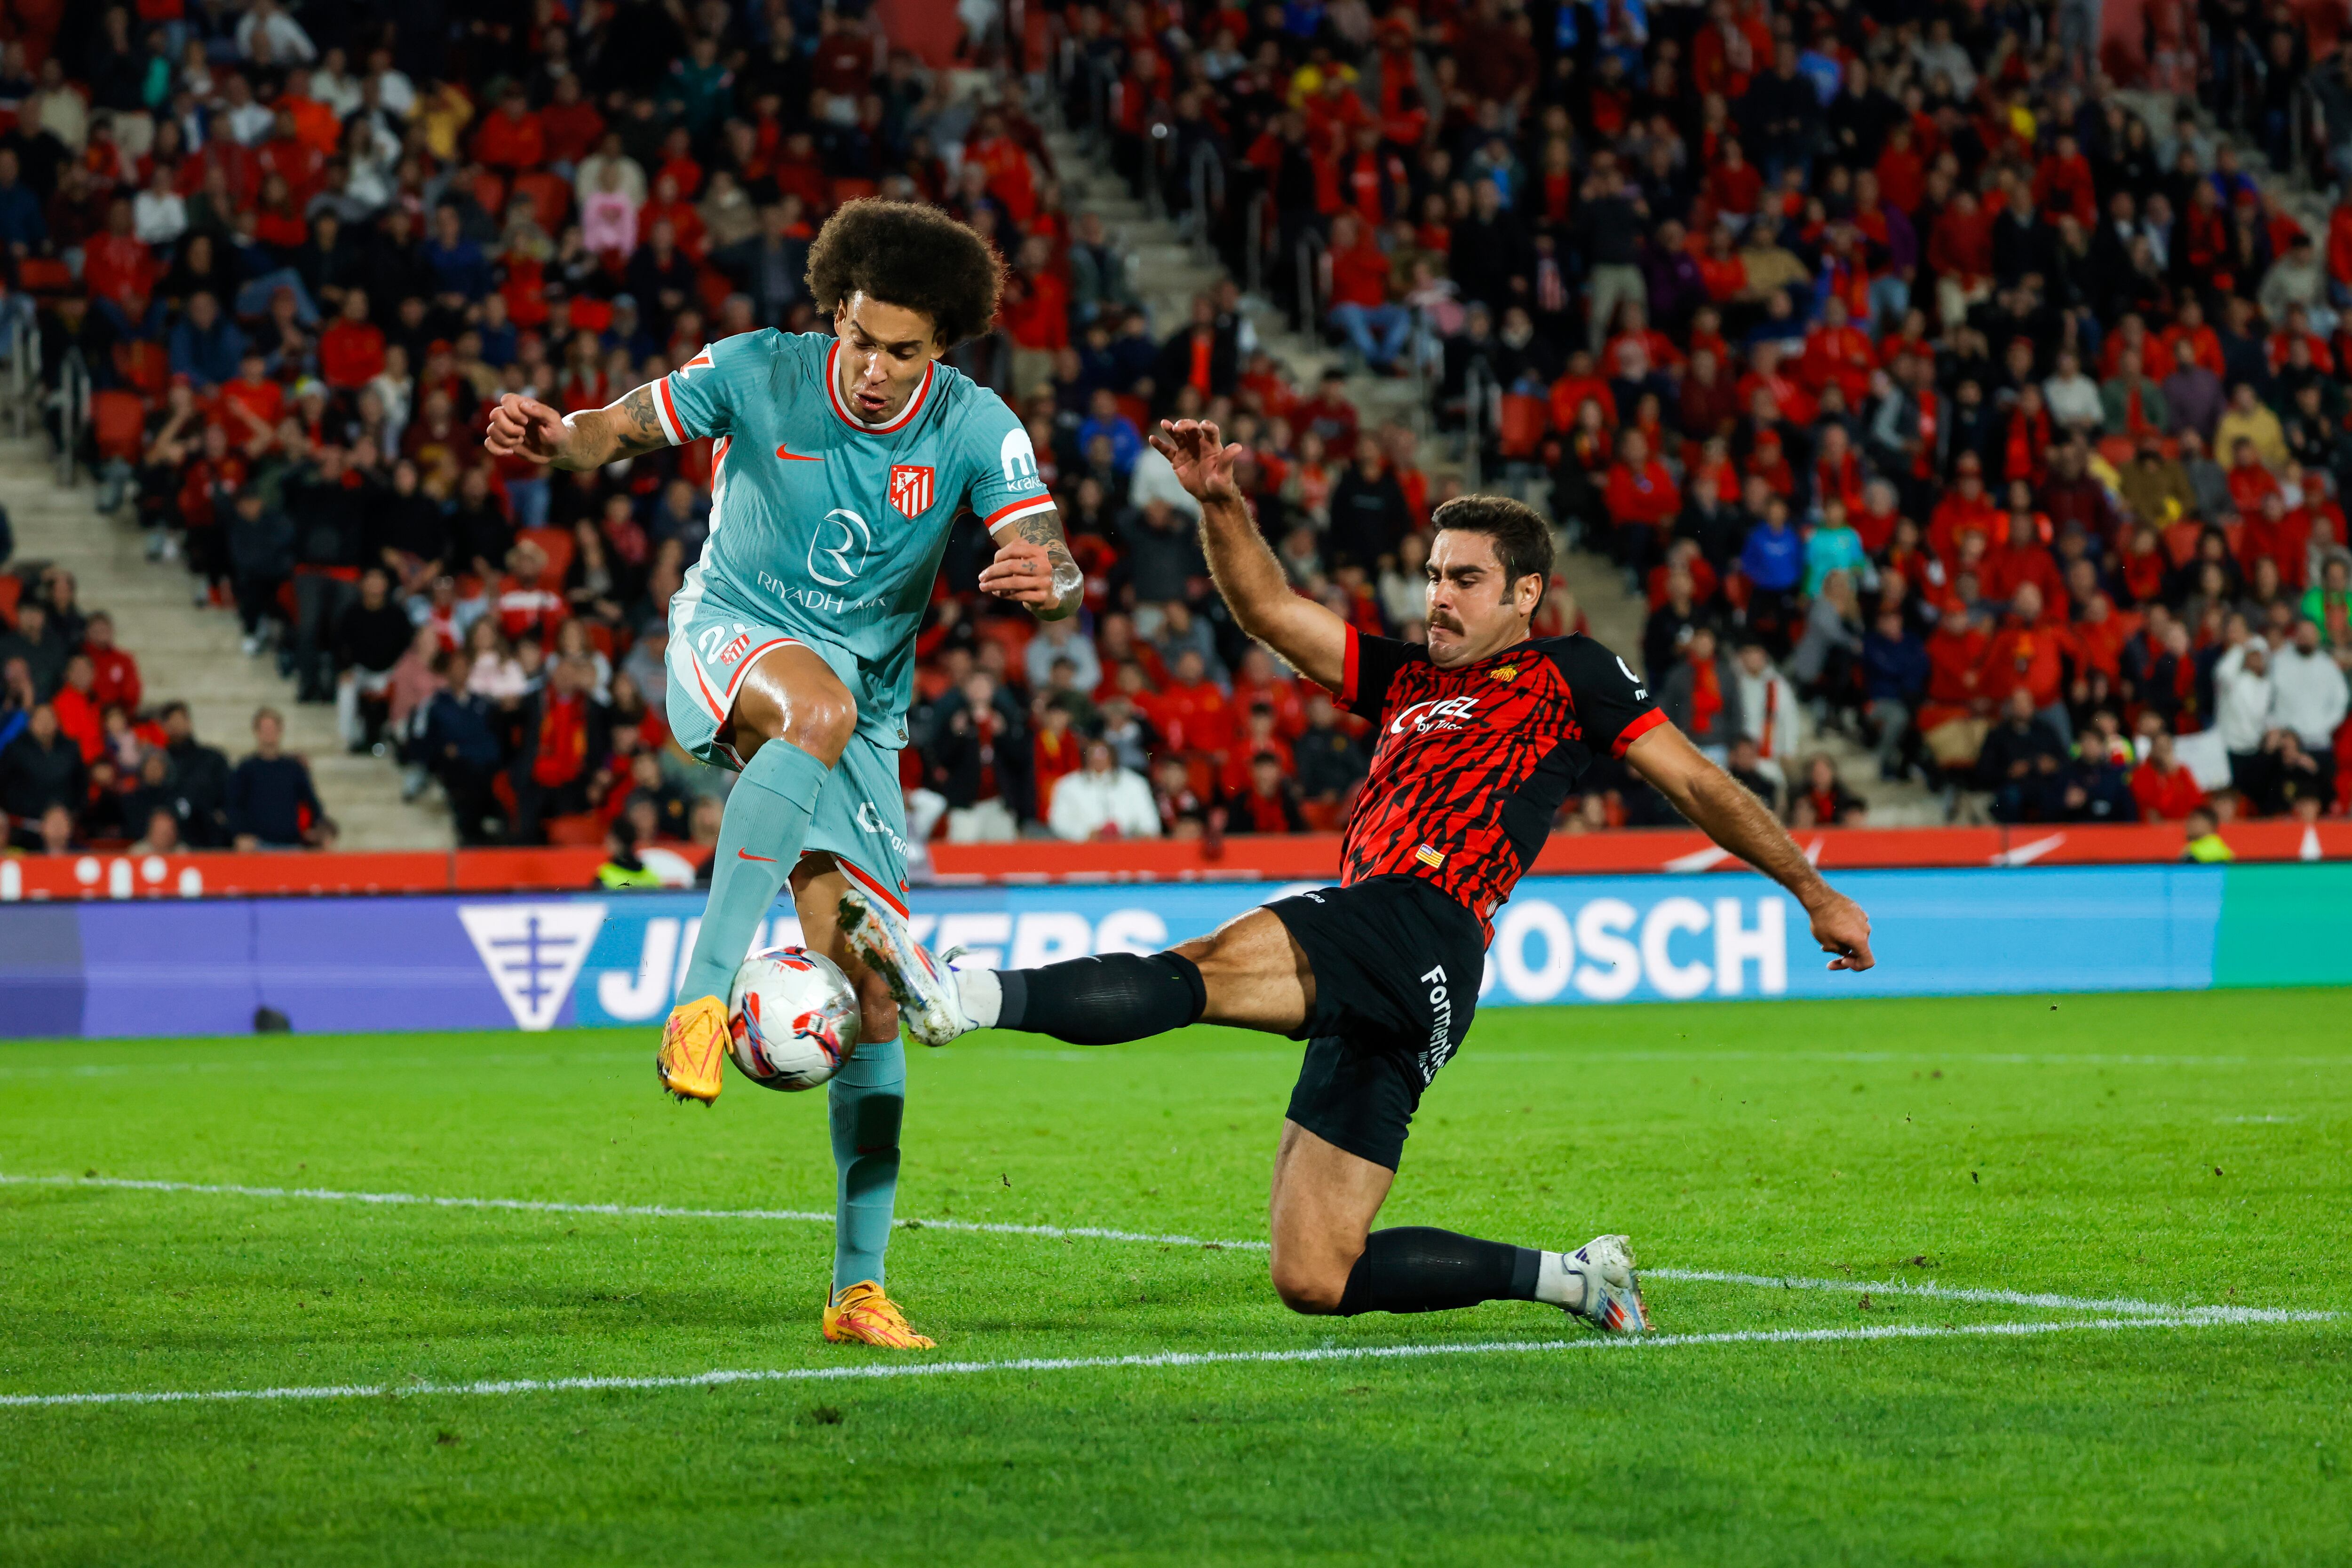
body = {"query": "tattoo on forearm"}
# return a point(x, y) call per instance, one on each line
point(1069, 583)
point(636, 427)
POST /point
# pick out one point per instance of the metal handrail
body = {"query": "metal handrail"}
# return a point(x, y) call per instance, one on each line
point(1253, 242)
point(1310, 259)
point(1158, 154)
point(1097, 112)
point(73, 415)
point(2310, 113)
point(1208, 191)
point(24, 372)
point(1475, 390)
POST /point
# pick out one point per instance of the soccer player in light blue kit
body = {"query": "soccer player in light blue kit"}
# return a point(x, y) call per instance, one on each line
point(838, 464)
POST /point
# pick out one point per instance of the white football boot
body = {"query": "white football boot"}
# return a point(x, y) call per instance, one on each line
point(1612, 1290)
point(923, 987)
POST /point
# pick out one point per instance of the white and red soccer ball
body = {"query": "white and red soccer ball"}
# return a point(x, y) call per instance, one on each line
point(791, 1018)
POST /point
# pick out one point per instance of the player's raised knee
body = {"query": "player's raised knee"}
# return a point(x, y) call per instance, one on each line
point(1309, 1288)
point(820, 722)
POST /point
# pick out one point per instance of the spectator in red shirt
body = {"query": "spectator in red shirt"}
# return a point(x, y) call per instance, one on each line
point(115, 673)
point(2165, 788)
point(2250, 482)
point(1640, 489)
point(2020, 558)
point(1035, 314)
point(1959, 248)
point(1965, 509)
point(286, 154)
point(1259, 737)
point(252, 389)
point(1361, 306)
point(118, 271)
point(1270, 805)
point(81, 716)
point(1191, 712)
point(351, 353)
point(570, 126)
point(512, 140)
point(1058, 750)
point(2024, 656)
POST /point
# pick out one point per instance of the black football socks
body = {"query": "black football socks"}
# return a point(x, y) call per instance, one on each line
point(1105, 1000)
point(1419, 1269)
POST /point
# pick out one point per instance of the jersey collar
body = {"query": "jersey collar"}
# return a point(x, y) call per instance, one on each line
point(905, 416)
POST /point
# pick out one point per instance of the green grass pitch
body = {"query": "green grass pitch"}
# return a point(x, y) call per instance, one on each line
point(2189, 1150)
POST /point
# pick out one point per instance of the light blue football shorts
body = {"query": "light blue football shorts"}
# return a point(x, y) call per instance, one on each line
point(861, 814)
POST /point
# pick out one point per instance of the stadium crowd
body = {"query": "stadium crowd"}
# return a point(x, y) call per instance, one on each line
point(1912, 374)
point(1915, 379)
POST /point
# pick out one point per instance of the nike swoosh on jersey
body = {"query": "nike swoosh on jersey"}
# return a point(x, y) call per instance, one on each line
point(790, 457)
point(747, 856)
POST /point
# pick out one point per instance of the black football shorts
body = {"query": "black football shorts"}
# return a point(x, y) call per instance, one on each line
point(1397, 968)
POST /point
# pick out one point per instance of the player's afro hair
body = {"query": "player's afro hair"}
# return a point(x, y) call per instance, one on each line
point(1523, 540)
point(911, 255)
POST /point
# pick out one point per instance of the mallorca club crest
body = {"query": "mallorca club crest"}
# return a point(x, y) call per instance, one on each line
point(910, 488)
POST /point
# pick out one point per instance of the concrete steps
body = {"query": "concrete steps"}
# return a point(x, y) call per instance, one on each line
point(193, 653)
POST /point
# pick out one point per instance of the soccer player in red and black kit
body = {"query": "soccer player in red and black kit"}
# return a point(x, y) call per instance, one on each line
point(1481, 736)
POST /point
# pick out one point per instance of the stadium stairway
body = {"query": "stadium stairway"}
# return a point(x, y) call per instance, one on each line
point(193, 654)
point(1169, 273)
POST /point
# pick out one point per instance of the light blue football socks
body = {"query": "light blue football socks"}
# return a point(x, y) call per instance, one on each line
point(865, 1103)
point(759, 843)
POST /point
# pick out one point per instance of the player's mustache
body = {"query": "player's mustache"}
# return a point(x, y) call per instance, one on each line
point(1439, 617)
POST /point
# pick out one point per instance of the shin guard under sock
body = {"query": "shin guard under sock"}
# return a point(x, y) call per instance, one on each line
point(759, 843)
point(1417, 1268)
point(1106, 1000)
point(863, 1104)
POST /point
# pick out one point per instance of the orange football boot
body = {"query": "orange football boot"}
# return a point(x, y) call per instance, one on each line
point(694, 1050)
point(862, 1314)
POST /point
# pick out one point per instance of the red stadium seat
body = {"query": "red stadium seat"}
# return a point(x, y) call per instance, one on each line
point(2180, 541)
point(586, 829)
point(849, 189)
point(1321, 816)
point(590, 315)
point(557, 544)
point(44, 274)
point(118, 421)
point(1013, 632)
point(144, 365)
point(550, 197)
point(1525, 421)
point(712, 287)
point(12, 587)
point(491, 192)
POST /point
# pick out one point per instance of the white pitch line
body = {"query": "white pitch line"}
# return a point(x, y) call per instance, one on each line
point(1095, 1054)
point(1995, 1298)
point(2045, 1301)
point(1155, 1360)
point(631, 1211)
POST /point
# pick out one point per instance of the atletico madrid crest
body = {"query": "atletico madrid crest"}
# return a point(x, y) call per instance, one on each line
point(910, 488)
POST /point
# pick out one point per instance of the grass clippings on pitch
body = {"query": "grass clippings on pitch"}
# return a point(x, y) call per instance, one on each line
point(2184, 1150)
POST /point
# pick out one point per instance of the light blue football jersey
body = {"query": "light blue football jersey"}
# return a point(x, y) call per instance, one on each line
point(827, 528)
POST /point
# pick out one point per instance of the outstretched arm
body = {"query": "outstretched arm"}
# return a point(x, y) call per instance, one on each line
point(525, 426)
point(1033, 566)
point(1720, 807)
point(1310, 639)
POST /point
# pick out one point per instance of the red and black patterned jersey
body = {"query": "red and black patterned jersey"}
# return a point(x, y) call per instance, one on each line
point(1471, 763)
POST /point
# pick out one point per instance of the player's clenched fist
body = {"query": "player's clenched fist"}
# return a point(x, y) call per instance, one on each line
point(522, 426)
point(1027, 572)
